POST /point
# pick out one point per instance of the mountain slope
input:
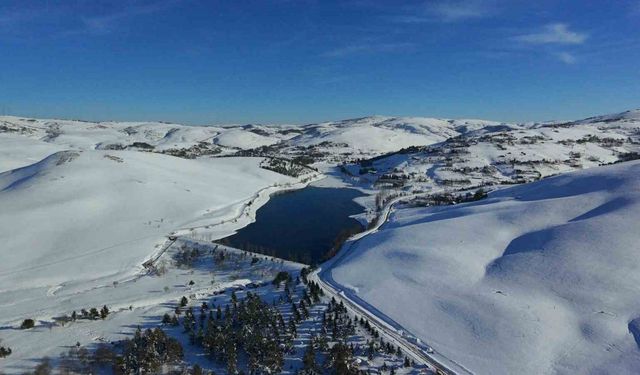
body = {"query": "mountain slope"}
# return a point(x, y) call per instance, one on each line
point(539, 278)
point(347, 139)
point(110, 208)
point(499, 154)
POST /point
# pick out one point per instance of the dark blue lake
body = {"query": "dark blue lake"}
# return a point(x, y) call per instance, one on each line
point(301, 225)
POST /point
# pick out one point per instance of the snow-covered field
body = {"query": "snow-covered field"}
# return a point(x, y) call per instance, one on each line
point(538, 278)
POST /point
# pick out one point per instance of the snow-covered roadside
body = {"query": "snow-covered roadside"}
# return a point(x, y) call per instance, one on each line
point(389, 328)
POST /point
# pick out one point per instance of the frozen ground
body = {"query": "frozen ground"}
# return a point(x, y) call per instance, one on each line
point(539, 278)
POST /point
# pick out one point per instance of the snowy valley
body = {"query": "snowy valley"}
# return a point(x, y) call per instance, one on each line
point(486, 247)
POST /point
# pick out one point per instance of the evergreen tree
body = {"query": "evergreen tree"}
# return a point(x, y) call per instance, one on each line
point(93, 313)
point(104, 312)
point(44, 367)
point(309, 360)
point(166, 319)
point(4, 351)
point(370, 350)
point(197, 370)
point(232, 358)
point(406, 362)
point(339, 360)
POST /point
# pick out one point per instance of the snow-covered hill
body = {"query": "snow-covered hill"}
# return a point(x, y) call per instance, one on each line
point(538, 279)
point(507, 154)
point(100, 213)
point(334, 141)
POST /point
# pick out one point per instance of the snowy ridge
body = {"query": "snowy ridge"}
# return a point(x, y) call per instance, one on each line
point(335, 141)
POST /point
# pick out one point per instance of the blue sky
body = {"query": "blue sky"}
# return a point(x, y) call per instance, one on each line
point(279, 61)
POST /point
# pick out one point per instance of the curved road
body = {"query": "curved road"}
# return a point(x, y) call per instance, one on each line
point(393, 332)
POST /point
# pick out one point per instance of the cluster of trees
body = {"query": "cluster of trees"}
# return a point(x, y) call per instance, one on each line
point(4, 351)
point(200, 149)
point(259, 332)
point(340, 239)
point(284, 166)
point(185, 257)
point(336, 320)
point(91, 314)
point(479, 194)
point(148, 352)
point(378, 345)
point(337, 328)
point(282, 276)
point(248, 326)
point(443, 199)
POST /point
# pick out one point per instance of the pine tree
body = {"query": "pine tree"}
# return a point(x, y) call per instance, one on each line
point(104, 312)
point(406, 362)
point(197, 370)
point(93, 313)
point(292, 328)
point(232, 358)
point(174, 320)
point(166, 319)
point(309, 360)
point(44, 367)
point(370, 350)
point(4, 351)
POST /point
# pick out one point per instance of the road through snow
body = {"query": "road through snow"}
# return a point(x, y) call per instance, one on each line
point(411, 345)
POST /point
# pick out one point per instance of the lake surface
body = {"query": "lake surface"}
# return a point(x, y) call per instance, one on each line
point(300, 225)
